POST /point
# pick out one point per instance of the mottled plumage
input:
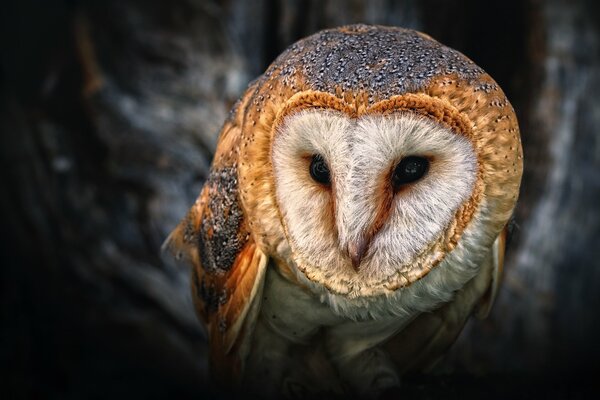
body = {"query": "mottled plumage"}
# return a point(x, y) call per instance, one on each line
point(329, 286)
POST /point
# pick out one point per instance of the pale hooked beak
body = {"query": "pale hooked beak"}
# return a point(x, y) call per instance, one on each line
point(356, 250)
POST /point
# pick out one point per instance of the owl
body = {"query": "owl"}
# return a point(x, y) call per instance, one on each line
point(354, 216)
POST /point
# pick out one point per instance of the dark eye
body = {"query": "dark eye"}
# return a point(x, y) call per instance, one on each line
point(319, 170)
point(410, 169)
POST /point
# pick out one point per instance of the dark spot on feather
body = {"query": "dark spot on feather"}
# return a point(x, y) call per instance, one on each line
point(209, 295)
point(222, 325)
point(223, 297)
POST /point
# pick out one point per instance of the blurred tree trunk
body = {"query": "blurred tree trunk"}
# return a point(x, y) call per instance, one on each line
point(545, 321)
point(109, 114)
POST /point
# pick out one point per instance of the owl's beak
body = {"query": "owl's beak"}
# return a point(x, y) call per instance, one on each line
point(356, 251)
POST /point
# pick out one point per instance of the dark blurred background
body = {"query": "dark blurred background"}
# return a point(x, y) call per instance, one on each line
point(109, 112)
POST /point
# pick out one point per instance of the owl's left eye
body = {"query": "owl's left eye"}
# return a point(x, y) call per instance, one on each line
point(319, 170)
point(409, 170)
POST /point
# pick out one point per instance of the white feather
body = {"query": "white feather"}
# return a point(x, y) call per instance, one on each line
point(358, 153)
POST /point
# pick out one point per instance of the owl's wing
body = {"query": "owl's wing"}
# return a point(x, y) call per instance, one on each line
point(228, 267)
point(424, 341)
point(226, 292)
point(487, 301)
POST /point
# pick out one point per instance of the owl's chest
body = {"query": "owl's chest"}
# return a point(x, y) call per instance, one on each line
point(297, 338)
point(291, 311)
point(297, 315)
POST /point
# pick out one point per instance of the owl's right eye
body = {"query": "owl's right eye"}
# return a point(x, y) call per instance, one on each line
point(410, 169)
point(319, 170)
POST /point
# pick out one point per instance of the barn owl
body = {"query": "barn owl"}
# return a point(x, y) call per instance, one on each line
point(354, 216)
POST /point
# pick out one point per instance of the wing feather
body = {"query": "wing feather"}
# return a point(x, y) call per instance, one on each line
point(424, 341)
point(228, 268)
point(498, 250)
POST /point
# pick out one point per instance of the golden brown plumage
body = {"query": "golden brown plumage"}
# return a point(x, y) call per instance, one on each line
point(243, 230)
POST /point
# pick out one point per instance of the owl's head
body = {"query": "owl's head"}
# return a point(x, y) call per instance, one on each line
point(373, 155)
